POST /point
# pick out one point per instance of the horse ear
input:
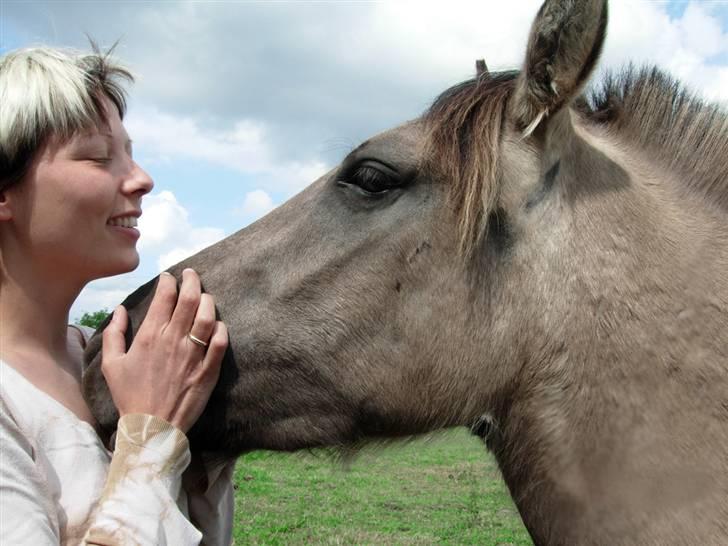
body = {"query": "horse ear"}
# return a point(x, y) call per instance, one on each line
point(481, 69)
point(563, 47)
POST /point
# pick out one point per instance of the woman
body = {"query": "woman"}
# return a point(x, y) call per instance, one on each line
point(70, 195)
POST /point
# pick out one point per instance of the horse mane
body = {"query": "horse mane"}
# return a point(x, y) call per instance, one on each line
point(464, 132)
point(465, 125)
point(657, 113)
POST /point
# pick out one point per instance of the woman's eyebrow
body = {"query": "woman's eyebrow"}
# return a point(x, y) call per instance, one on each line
point(88, 135)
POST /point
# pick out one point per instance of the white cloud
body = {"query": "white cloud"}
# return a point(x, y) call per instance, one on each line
point(165, 135)
point(428, 42)
point(702, 31)
point(246, 147)
point(643, 33)
point(336, 71)
point(335, 56)
point(106, 294)
point(163, 220)
point(255, 204)
point(167, 233)
point(295, 176)
point(196, 240)
point(717, 88)
point(426, 39)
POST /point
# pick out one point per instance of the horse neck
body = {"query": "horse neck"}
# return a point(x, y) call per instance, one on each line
point(625, 360)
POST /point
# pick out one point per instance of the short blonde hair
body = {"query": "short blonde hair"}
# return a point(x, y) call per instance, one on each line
point(52, 92)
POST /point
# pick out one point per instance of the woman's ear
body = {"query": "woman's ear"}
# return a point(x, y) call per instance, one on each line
point(563, 47)
point(6, 212)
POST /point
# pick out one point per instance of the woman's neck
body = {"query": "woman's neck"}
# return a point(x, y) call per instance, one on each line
point(34, 334)
point(34, 307)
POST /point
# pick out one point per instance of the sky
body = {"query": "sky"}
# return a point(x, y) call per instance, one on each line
point(238, 105)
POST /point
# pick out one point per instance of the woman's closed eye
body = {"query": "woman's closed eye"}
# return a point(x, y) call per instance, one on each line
point(100, 158)
point(95, 154)
point(94, 148)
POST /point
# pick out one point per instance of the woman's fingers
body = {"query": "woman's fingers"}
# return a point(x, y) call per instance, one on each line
point(166, 372)
point(187, 303)
point(215, 351)
point(114, 343)
point(204, 322)
point(163, 302)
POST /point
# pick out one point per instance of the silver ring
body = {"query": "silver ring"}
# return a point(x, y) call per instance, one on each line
point(196, 340)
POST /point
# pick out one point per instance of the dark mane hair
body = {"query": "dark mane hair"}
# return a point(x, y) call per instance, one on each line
point(686, 134)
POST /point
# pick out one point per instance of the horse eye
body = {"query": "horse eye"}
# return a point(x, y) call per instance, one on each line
point(371, 179)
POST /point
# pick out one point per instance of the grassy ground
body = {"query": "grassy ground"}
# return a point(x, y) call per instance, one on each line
point(443, 490)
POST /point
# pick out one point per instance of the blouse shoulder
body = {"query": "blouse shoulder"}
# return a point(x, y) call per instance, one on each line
point(84, 331)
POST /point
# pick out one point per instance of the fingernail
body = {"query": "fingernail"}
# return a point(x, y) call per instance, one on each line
point(166, 273)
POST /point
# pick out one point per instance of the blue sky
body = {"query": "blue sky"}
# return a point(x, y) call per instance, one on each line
point(239, 105)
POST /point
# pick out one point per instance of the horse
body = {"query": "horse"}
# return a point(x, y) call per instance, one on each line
point(547, 265)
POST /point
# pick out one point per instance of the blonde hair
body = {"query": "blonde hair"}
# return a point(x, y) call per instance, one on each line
point(52, 92)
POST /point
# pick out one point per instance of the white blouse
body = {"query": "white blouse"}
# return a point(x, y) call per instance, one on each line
point(60, 485)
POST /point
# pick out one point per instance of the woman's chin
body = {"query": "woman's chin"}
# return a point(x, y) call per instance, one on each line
point(130, 264)
point(119, 265)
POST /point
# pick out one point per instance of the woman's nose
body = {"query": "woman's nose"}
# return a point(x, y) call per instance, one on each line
point(138, 181)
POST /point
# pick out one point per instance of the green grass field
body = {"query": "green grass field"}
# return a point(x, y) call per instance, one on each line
point(442, 490)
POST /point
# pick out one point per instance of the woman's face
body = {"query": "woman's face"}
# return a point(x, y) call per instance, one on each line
point(76, 209)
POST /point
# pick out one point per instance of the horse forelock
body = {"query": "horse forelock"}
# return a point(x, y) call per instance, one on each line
point(465, 125)
point(657, 114)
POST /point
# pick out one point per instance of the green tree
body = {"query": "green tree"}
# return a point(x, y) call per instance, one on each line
point(93, 319)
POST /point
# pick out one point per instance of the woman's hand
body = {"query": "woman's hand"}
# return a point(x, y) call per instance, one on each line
point(165, 373)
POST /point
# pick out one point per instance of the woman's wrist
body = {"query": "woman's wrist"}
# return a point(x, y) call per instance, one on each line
point(148, 439)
